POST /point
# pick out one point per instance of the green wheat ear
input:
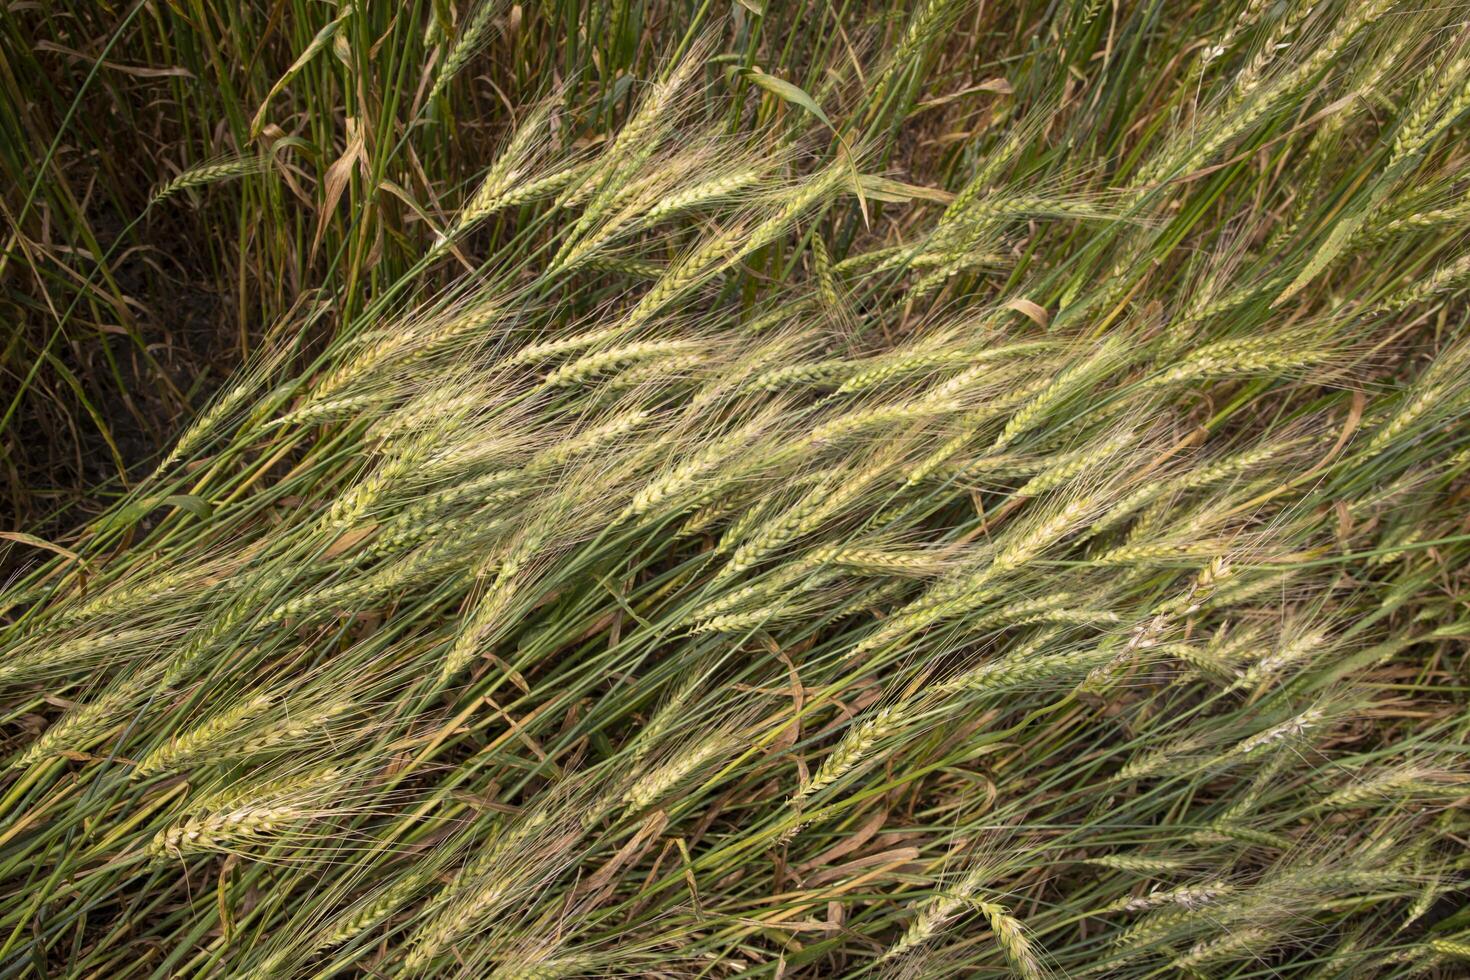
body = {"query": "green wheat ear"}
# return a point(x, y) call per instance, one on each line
point(209, 173)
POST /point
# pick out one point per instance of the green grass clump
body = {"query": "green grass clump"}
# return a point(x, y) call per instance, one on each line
point(959, 491)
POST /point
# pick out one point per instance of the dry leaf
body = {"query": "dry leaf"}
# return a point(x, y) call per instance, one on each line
point(336, 179)
point(1032, 311)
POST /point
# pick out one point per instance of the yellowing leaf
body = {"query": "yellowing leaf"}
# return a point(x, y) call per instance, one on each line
point(796, 95)
point(20, 537)
point(896, 191)
point(786, 92)
point(322, 39)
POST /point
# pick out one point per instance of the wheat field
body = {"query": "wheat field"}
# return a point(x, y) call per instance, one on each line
point(742, 489)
